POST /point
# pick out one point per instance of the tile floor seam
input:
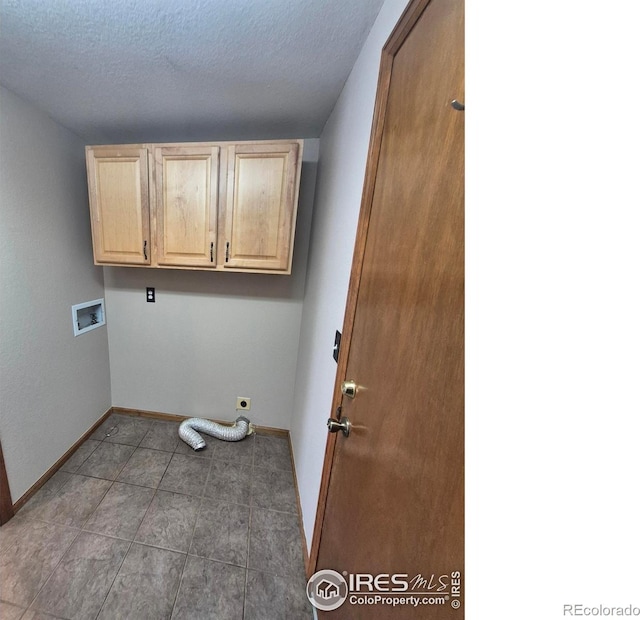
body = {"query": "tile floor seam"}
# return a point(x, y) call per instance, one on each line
point(111, 536)
point(204, 557)
point(62, 467)
point(155, 449)
point(115, 576)
point(40, 520)
point(80, 526)
point(225, 501)
point(195, 523)
point(270, 572)
point(175, 598)
point(89, 476)
point(29, 606)
point(58, 491)
point(155, 492)
point(36, 611)
point(249, 545)
point(176, 492)
point(125, 463)
point(99, 501)
point(145, 544)
point(246, 582)
point(283, 512)
point(173, 607)
point(134, 484)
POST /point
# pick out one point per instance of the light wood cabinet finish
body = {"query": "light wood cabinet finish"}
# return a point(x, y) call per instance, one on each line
point(219, 206)
point(260, 214)
point(119, 200)
point(186, 205)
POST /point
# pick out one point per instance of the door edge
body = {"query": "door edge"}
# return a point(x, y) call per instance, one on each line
point(400, 32)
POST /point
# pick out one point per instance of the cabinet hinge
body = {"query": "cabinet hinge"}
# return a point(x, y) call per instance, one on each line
point(226, 254)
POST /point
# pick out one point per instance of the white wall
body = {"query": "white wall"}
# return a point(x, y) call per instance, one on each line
point(211, 337)
point(343, 152)
point(53, 386)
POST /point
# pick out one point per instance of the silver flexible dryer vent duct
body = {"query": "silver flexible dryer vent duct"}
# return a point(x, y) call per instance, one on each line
point(188, 431)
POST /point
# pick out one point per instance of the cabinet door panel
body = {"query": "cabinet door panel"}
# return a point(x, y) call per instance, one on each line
point(260, 215)
point(119, 202)
point(187, 205)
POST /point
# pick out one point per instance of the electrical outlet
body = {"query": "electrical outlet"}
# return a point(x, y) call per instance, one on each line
point(243, 403)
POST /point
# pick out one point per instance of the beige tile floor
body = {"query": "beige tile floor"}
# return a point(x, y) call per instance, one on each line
point(137, 525)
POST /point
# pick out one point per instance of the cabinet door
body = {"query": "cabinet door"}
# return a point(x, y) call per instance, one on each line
point(262, 188)
point(187, 205)
point(119, 204)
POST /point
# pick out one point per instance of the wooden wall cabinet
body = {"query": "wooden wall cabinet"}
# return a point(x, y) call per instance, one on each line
point(186, 205)
point(215, 206)
point(260, 213)
point(119, 199)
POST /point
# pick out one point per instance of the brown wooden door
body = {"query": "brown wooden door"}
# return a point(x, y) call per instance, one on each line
point(187, 205)
point(393, 493)
point(119, 201)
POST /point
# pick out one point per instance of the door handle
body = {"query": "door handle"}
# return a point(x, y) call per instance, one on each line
point(349, 388)
point(339, 425)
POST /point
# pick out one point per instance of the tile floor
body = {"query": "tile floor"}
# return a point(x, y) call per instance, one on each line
point(137, 525)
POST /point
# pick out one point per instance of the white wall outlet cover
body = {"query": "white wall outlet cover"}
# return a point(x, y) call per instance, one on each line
point(243, 403)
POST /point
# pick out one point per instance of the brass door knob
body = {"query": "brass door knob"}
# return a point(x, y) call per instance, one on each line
point(339, 425)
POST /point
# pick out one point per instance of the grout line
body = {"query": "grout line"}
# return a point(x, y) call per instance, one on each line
point(83, 462)
point(277, 469)
point(175, 597)
point(124, 557)
point(282, 512)
point(215, 560)
point(98, 504)
point(195, 524)
point(281, 574)
point(190, 542)
point(64, 553)
point(249, 535)
point(206, 480)
point(246, 584)
point(144, 516)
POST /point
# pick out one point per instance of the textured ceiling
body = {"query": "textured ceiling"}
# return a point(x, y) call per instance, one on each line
point(170, 70)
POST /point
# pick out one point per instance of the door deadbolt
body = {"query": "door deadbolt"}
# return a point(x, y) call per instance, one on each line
point(343, 425)
point(349, 388)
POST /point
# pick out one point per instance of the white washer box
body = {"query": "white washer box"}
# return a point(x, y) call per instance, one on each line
point(88, 316)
